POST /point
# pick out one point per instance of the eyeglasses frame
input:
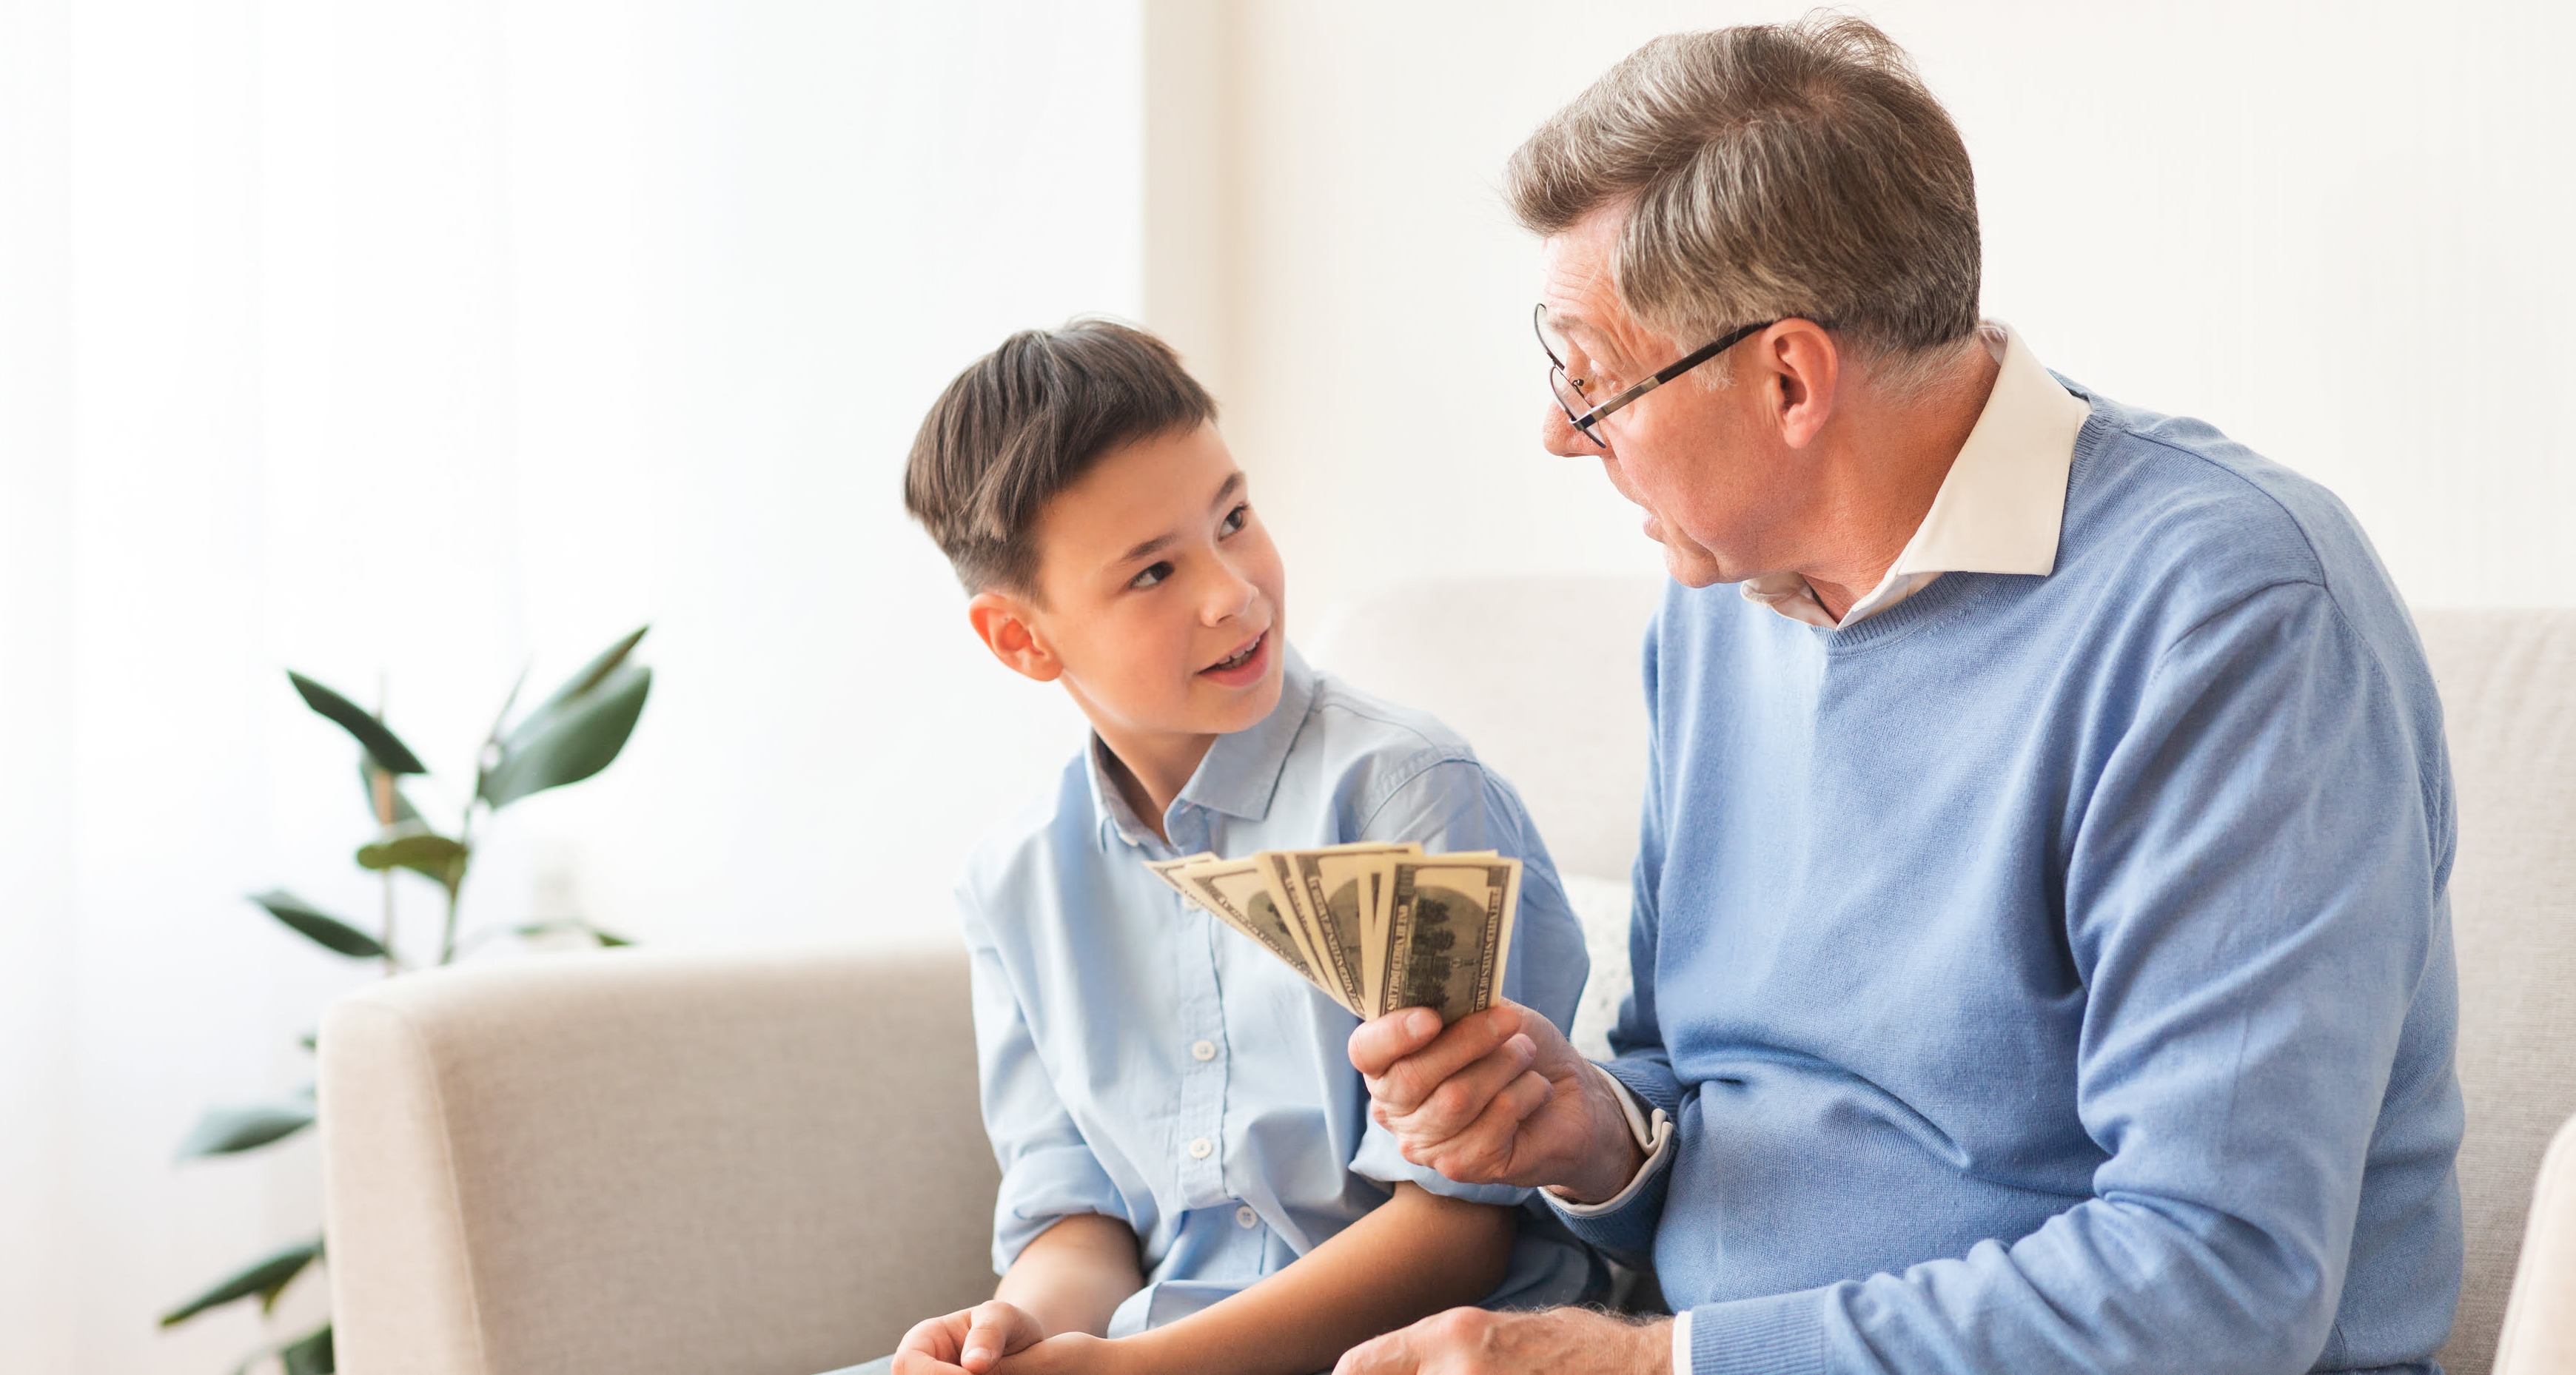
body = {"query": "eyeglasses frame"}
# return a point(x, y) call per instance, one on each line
point(1593, 416)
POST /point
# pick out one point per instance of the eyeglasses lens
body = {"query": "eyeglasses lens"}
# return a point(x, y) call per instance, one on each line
point(1561, 379)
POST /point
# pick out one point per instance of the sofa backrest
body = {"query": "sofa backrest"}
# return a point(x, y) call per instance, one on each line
point(2508, 681)
point(1543, 676)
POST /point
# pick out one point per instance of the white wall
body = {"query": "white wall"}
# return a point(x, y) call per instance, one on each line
point(2338, 231)
point(427, 341)
point(432, 340)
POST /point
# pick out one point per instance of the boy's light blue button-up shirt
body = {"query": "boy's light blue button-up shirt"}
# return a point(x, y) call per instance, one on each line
point(1142, 1061)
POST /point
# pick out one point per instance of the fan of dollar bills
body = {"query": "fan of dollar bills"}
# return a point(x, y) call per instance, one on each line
point(1377, 927)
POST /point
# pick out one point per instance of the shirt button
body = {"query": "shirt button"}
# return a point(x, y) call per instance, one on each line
point(1245, 1217)
point(1203, 1051)
point(1202, 1148)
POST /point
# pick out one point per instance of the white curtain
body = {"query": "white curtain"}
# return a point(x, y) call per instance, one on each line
point(412, 344)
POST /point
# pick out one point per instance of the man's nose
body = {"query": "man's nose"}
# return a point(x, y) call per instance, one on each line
point(1557, 435)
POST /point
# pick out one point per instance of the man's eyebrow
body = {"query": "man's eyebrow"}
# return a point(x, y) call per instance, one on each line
point(1590, 338)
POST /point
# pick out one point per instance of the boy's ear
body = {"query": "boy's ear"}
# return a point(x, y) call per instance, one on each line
point(1003, 622)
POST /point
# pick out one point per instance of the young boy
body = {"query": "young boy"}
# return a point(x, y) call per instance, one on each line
point(1174, 1109)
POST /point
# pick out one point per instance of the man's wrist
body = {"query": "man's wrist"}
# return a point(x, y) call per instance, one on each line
point(1618, 1154)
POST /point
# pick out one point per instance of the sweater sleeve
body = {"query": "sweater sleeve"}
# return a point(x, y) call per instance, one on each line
point(2253, 902)
point(1626, 1228)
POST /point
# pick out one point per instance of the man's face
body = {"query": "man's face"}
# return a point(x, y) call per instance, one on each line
point(1160, 594)
point(1711, 475)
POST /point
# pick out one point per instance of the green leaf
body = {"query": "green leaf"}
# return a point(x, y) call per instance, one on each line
point(310, 1354)
point(592, 674)
point(390, 754)
point(319, 926)
point(230, 1131)
point(266, 1277)
point(405, 814)
point(570, 737)
point(424, 852)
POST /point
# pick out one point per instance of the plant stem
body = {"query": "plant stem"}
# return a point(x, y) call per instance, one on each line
point(380, 789)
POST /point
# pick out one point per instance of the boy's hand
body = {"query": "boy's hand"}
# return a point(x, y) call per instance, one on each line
point(971, 1339)
point(1078, 1353)
point(1498, 1097)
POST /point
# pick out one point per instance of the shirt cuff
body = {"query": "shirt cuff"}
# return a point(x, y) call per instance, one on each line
point(1681, 1343)
point(1654, 1137)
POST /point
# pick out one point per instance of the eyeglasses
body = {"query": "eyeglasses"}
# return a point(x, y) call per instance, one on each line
point(1581, 411)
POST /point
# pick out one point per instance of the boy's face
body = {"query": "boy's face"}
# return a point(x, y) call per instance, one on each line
point(1159, 595)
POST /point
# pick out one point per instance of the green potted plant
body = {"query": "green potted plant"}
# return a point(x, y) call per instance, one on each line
point(568, 737)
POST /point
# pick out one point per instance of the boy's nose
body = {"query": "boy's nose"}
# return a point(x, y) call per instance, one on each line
point(1229, 597)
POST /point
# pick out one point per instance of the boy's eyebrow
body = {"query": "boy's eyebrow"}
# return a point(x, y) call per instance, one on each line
point(1141, 550)
point(1224, 493)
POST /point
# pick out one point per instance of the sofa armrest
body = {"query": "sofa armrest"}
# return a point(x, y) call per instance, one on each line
point(2539, 1335)
point(642, 1162)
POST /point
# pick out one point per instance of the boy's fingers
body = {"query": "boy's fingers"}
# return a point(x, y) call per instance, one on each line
point(1403, 1082)
point(997, 1329)
point(934, 1339)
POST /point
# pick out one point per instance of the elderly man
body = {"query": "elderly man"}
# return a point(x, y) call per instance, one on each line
point(2042, 957)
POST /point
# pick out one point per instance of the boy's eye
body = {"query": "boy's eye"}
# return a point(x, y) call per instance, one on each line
point(1151, 575)
point(1234, 519)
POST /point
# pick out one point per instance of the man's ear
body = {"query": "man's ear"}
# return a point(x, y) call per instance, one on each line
point(1006, 626)
point(1800, 366)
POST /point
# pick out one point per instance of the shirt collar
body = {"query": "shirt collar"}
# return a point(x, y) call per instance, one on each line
point(1999, 508)
point(1239, 774)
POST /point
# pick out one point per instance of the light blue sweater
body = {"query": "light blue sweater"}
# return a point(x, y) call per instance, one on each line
point(2054, 974)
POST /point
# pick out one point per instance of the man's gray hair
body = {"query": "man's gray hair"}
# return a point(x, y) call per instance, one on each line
point(1771, 170)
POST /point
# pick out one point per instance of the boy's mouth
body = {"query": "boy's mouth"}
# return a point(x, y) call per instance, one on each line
point(1243, 665)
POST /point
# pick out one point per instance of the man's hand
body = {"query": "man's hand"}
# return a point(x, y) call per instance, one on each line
point(1559, 1341)
point(970, 1339)
point(1497, 1098)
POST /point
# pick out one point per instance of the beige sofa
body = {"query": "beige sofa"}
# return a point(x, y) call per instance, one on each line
point(641, 1164)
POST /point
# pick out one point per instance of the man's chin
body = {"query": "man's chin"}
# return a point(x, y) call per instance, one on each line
point(1691, 569)
point(1689, 564)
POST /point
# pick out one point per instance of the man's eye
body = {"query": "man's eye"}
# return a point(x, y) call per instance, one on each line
point(1151, 576)
point(1234, 519)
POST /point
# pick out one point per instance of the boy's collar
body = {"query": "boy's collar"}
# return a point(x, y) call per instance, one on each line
point(1240, 773)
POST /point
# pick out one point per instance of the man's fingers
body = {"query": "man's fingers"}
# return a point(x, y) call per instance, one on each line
point(1387, 1355)
point(1462, 1100)
point(1381, 1041)
point(1486, 1150)
point(1403, 1082)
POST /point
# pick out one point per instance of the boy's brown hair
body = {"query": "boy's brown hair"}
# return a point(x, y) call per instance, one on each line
point(1026, 421)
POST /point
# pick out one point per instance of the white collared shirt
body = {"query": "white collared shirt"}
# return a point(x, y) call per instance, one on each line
point(1997, 510)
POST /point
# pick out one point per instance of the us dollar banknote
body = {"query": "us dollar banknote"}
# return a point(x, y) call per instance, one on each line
point(1449, 934)
point(1374, 925)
